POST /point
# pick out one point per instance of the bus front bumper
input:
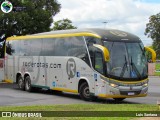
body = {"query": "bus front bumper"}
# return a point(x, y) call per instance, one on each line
point(125, 92)
point(120, 96)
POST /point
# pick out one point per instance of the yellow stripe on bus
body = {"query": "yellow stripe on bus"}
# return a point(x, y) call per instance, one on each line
point(120, 96)
point(105, 51)
point(53, 36)
point(126, 82)
point(65, 90)
point(8, 81)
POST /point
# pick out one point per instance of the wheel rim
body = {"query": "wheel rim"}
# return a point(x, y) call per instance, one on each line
point(20, 83)
point(27, 85)
point(86, 92)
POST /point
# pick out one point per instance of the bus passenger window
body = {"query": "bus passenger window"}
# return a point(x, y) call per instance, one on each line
point(9, 48)
point(24, 48)
point(48, 47)
point(36, 47)
point(61, 47)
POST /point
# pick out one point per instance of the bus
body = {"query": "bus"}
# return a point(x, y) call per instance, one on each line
point(94, 63)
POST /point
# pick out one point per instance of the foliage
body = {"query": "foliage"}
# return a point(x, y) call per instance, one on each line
point(27, 17)
point(34, 17)
point(153, 31)
point(157, 72)
point(63, 25)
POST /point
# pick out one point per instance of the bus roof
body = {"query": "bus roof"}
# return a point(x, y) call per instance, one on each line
point(106, 34)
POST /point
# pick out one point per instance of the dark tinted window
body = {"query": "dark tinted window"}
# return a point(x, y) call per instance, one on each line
point(16, 45)
point(93, 40)
point(71, 46)
point(9, 48)
point(25, 48)
point(48, 47)
point(76, 47)
point(108, 45)
point(35, 47)
point(61, 46)
point(2, 48)
point(99, 62)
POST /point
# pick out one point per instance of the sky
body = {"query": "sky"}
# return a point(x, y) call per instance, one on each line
point(127, 15)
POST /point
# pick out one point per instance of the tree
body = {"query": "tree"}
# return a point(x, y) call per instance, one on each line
point(153, 31)
point(35, 16)
point(63, 25)
point(27, 17)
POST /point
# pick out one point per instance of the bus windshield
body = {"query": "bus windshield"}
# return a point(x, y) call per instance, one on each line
point(127, 61)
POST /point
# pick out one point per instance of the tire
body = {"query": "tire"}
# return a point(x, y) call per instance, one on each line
point(119, 99)
point(55, 92)
point(84, 92)
point(28, 86)
point(21, 83)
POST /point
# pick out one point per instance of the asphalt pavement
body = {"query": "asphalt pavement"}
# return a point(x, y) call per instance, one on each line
point(10, 95)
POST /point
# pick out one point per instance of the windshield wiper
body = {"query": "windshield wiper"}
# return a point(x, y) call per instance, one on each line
point(124, 68)
point(143, 50)
point(135, 69)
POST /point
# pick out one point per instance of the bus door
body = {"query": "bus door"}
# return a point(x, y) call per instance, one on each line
point(99, 56)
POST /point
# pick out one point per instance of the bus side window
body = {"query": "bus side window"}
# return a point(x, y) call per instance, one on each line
point(48, 47)
point(61, 47)
point(9, 48)
point(77, 48)
point(24, 48)
point(36, 47)
point(99, 62)
point(93, 40)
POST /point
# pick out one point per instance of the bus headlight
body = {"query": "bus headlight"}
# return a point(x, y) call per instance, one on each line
point(113, 85)
point(145, 85)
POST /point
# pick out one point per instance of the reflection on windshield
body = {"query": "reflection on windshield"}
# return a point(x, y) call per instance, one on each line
point(138, 59)
point(127, 60)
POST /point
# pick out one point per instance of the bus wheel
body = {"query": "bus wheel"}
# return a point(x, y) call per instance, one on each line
point(119, 99)
point(28, 86)
point(21, 83)
point(84, 91)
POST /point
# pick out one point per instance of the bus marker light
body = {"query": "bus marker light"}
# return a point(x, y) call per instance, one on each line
point(146, 84)
point(113, 85)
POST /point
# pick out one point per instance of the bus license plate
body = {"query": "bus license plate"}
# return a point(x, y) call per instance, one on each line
point(131, 93)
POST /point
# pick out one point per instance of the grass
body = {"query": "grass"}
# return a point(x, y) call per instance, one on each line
point(82, 107)
point(157, 68)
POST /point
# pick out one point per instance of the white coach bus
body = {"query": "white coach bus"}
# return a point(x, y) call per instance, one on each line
point(90, 62)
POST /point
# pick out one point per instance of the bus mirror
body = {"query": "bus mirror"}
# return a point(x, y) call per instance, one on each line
point(104, 50)
point(153, 53)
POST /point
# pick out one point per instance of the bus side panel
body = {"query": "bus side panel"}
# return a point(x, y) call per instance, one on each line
point(67, 73)
point(55, 73)
point(9, 69)
point(35, 67)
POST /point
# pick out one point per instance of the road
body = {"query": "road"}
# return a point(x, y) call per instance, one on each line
point(10, 95)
